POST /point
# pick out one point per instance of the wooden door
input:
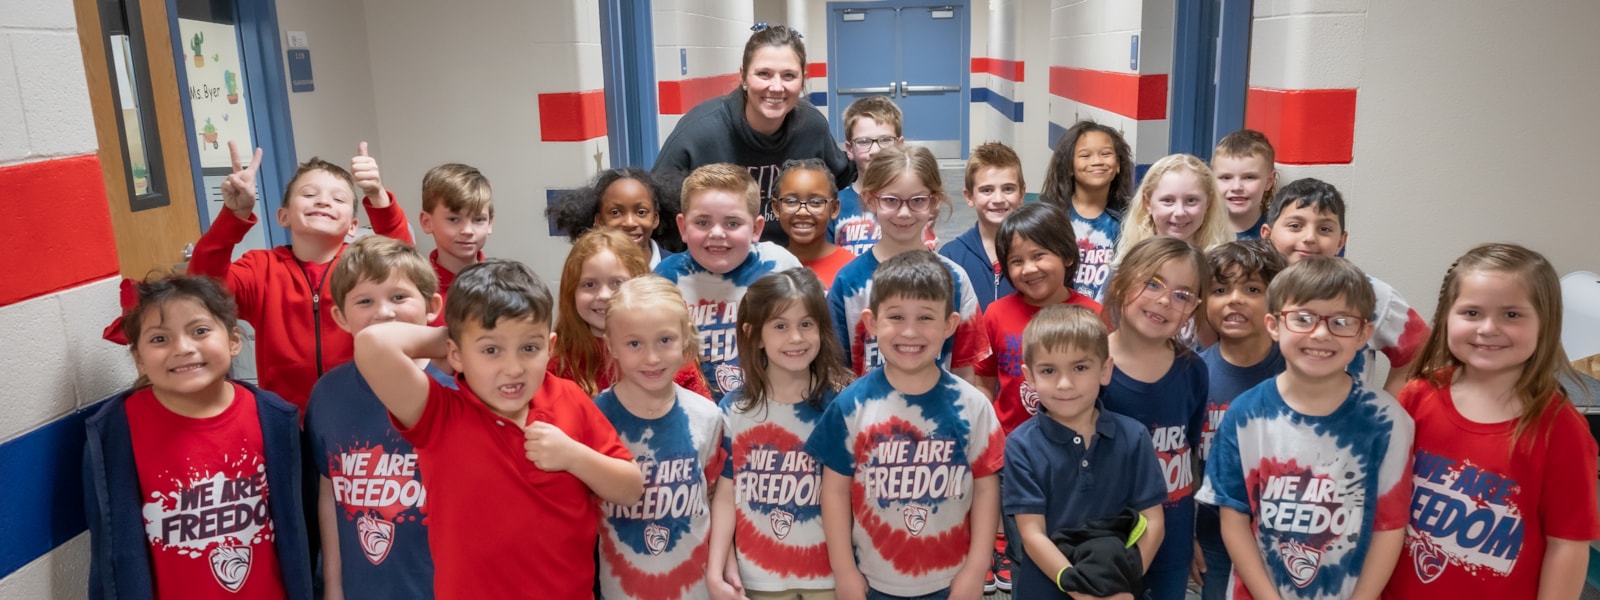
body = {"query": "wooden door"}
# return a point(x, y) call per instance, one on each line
point(151, 227)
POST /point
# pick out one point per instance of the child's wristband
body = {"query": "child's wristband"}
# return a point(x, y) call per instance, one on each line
point(1058, 578)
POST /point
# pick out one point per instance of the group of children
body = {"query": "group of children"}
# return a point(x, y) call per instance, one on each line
point(1105, 387)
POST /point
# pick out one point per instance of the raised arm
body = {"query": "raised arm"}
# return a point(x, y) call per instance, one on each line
point(385, 355)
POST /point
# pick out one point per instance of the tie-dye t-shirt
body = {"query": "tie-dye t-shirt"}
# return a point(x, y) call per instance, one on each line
point(1097, 250)
point(777, 494)
point(1397, 331)
point(714, 306)
point(1316, 488)
point(912, 459)
point(852, 293)
point(854, 228)
point(657, 548)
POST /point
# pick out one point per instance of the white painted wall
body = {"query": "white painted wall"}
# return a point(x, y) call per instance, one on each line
point(1033, 138)
point(709, 34)
point(339, 114)
point(1097, 35)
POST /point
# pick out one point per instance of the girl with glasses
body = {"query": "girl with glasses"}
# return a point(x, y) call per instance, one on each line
point(807, 201)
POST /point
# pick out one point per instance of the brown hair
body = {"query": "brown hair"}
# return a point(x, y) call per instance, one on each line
point(916, 275)
point(1322, 278)
point(577, 351)
point(1059, 182)
point(1063, 326)
point(722, 177)
point(765, 300)
point(156, 293)
point(317, 164)
point(461, 188)
point(375, 258)
point(877, 108)
point(1539, 385)
point(1245, 257)
point(1246, 143)
point(778, 36)
point(1141, 263)
point(993, 155)
point(492, 290)
point(892, 162)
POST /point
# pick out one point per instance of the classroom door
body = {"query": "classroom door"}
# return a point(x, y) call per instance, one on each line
point(138, 118)
point(914, 52)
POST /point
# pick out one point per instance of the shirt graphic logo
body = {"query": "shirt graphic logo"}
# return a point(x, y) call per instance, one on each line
point(231, 566)
point(916, 518)
point(655, 539)
point(1468, 514)
point(376, 536)
point(781, 522)
point(1301, 561)
point(1429, 560)
point(729, 377)
point(1030, 398)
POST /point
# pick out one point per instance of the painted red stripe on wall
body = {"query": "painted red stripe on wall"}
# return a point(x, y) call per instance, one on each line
point(999, 67)
point(817, 70)
point(1307, 127)
point(56, 226)
point(1142, 97)
point(677, 97)
point(572, 116)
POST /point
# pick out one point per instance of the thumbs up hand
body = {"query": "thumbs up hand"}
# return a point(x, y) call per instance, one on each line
point(364, 169)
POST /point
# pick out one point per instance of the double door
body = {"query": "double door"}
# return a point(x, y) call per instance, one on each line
point(913, 52)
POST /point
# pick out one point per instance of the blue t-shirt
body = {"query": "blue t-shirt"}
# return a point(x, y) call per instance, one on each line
point(1254, 232)
point(714, 306)
point(379, 496)
point(1173, 408)
point(1049, 472)
point(1097, 250)
point(1227, 382)
point(853, 229)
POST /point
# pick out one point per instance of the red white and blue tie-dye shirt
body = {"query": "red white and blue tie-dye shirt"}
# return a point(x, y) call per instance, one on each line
point(1097, 250)
point(1397, 331)
point(1316, 488)
point(657, 548)
point(912, 459)
point(714, 306)
point(852, 293)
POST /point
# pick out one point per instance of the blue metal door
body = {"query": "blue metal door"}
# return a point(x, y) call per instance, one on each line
point(913, 51)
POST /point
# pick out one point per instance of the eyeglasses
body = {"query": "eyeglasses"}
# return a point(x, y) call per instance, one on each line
point(793, 204)
point(916, 204)
point(1305, 321)
point(866, 142)
point(1180, 297)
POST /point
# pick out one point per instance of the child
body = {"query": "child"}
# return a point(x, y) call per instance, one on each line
point(778, 511)
point(871, 124)
point(656, 546)
point(921, 447)
point(458, 211)
point(722, 223)
point(1247, 175)
point(497, 525)
point(993, 188)
point(1036, 248)
point(1504, 503)
point(1161, 383)
point(1309, 468)
point(805, 205)
point(1090, 176)
point(283, 292)
point(371, 499)
point(1307, 219)
point(1244, 356)
point(1179, 199)
point(191, 478)
point(1050, 481)
point(600, 261)
point(629, 199)
point(904, 191)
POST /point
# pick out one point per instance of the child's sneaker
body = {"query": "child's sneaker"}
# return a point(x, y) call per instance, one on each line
point(990, 582)
point(1002, 572)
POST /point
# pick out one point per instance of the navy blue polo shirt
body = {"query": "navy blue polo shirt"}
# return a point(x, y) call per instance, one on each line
point(1049, 471)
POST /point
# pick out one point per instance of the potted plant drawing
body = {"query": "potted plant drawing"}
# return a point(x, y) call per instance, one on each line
point(141, 180)
point(208, 134)
point(194, 44)
point(232, 82)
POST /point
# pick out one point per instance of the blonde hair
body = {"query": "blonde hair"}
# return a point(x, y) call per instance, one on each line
point(1539, 385)
point(1214, 228)
point(461, 188)
point(375, 258)
point(877, 108)
point(655, 295)
point(892, 162)
point(722, 177)
point(577, 351)
point(1063, 326)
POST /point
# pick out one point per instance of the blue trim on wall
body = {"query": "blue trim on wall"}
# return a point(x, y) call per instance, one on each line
point(42, 506)
point(1189, 115)
point(1233, 66)
point(188, 123)
point(818, 98)
point(626, 55)
point(1008, 109)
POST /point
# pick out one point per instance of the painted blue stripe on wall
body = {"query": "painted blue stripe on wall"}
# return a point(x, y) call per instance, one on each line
point(42, 506)
point(1008, 109)
point(818, 98)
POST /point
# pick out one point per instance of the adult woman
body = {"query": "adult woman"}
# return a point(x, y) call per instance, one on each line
point(757, 125)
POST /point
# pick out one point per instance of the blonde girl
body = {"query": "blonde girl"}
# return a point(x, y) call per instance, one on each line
point(1504, 501)
point(1178, 199)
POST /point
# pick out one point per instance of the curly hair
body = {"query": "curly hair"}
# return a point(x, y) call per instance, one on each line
point(574, 212)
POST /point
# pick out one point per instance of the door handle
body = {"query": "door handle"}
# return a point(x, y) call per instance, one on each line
point(909, 89)
point(869, 90)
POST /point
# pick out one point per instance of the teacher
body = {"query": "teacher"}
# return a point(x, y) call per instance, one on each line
point(759, 125)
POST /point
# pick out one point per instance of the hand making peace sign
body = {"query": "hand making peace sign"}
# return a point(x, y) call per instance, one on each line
point(239, 189)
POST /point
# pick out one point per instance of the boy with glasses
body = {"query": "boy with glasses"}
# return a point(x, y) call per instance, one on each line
point(1309, 469)
point(870, 125)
